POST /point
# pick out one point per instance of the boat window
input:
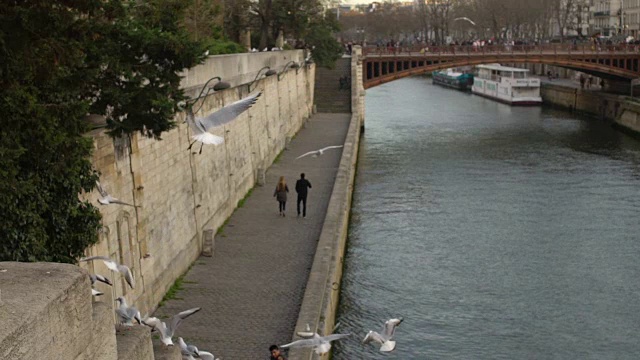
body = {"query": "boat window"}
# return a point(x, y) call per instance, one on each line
point(519, 75)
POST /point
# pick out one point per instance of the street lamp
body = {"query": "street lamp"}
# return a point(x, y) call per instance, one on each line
point(220, 85)
point(294, 65)
point(268, 73)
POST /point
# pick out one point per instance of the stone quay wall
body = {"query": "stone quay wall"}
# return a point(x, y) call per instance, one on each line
point(622, 111)
point(591, 103)
point(183, 195)
point(320, 301)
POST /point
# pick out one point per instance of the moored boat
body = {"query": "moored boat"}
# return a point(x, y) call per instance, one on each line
point(454, 78)
point(507, 84)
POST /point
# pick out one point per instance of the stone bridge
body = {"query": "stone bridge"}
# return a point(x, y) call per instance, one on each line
point(618, 63)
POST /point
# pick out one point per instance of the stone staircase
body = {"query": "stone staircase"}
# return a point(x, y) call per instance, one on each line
point(329, 98)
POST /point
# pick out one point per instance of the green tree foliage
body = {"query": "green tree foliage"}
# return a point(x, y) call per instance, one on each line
point(204, 20)
point(320, 37)
point(59, 61)
point(303, 21)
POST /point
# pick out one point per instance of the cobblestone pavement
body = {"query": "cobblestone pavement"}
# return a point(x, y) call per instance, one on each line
point(251, 290)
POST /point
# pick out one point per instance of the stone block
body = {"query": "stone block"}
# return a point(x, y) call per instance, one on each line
point(163, 352)
point(103, 342)
point(134, 342)
point(46, 311)
point(208, 243)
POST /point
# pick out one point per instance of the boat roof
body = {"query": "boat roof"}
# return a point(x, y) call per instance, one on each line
point(499, 67)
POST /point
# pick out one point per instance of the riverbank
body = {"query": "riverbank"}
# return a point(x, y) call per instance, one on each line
point(622, 111)
point(252, 288)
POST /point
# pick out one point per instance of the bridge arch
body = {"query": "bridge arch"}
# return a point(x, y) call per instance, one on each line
point(618, 64)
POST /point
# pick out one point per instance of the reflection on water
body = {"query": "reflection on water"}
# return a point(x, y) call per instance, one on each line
point(496, 232)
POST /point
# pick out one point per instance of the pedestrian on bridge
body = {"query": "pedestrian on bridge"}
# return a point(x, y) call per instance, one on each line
point(302, 185)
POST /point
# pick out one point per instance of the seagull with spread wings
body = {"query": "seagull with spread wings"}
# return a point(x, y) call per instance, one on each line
point(107, 199)
point(319, 152)
point(384, 339)
point(465, 19)
point(167, 331)
point(201, 126)
point(114, 266)
point(321, 344)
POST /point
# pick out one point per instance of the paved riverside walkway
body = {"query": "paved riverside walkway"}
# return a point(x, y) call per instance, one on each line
point(571, 83)
point(251, 290)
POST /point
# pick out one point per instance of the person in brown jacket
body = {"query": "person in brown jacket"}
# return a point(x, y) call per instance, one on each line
point(281, 194)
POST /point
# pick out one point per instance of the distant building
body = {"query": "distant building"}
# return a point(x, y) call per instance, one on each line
point(578, 22)
point(631, 18)
point(606, 17)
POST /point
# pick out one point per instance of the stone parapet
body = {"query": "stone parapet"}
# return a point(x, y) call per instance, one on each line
point(46, 312)
point(134, 342)
point(320, 302)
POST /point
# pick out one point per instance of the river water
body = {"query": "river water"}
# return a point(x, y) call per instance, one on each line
point(497, 232)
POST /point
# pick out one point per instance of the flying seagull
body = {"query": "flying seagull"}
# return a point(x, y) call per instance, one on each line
point(201, 126)
point(316, 153)
point(108, 199)
point(126, 314)
point(384, 339)
point(309, 334)
point(114, 266)
point(167, 331)
point(465, 19)
point(100, 278)
point(321, 344)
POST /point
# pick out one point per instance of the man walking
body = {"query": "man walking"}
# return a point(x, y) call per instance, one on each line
point(301, 188)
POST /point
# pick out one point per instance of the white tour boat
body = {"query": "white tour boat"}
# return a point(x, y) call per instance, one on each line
point(507, 84)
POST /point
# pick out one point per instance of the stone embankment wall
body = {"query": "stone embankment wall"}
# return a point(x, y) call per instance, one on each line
point(621, 111)
point(629, 117)
point(591, 103)
point(182, 194)
point(320, 302)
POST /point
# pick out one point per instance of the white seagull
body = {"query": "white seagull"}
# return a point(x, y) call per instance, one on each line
point(321, 344)
point(96, 277)
point(205, 355)
point(167, 331)
point(126, 314)
point(465, 19)
point(316, 153)
point(201, 126)
point(384, 339)
point(100, 278)
point(114, 266)
point(108, 199)
point(188, 350)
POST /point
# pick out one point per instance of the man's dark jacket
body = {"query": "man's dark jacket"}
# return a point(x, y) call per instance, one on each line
point(301, 187)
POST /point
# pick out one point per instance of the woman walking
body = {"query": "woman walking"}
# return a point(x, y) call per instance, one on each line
point(281, 194)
